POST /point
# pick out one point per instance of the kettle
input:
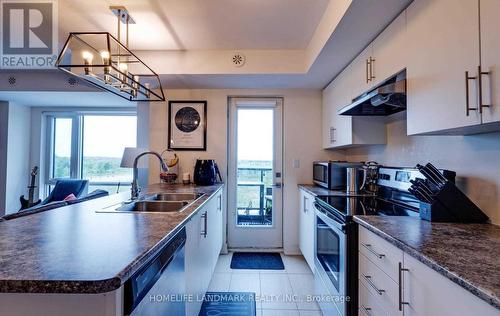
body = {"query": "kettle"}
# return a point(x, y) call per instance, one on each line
point(353, 179)
point(206, 172)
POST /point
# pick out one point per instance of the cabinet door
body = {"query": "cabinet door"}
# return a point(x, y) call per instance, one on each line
point(490, 52)
point(327, 109)
point(306, 228)
point(361, 72)
point(340, 96)
point(389, 50)
point(193, 265)
point(429, 293)
point(443, 43)
point(205, 248)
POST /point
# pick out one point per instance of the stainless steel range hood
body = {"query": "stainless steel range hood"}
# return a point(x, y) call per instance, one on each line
point(387, 98)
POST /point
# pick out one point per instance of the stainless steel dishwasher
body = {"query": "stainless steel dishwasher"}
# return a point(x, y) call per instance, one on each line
point(158, 288)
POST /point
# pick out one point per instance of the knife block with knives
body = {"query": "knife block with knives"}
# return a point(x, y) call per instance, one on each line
point(441, 200)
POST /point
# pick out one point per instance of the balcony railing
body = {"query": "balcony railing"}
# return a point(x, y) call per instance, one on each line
point(254, 196)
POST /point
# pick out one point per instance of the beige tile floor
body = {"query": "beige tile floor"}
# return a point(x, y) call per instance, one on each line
point(272, 287)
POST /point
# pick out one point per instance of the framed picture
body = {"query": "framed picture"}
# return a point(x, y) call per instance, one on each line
point(187, 125)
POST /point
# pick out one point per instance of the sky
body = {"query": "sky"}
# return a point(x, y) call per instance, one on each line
point(255, 134)
point(103, 136)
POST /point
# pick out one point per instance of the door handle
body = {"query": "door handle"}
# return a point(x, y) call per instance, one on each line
point(367, 63)
point(467, 105)
point(332, 135)
point(370, 249)
point(368, 279)
point(277, 185)
point(372, 63)
point(205, 224)
point(480, 75)
point(366, 310)
point(400, 284)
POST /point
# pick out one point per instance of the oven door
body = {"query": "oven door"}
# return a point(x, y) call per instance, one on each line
point(331, 256)
point(321, 174)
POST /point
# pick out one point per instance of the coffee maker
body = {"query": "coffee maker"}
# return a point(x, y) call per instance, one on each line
point(206, 172)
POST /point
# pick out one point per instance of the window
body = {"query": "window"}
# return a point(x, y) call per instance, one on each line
point(90, 146)
point(62, 147)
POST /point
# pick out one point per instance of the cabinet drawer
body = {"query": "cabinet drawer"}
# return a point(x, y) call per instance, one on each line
point(369, 304)
point(379, 284)
point(383, 254)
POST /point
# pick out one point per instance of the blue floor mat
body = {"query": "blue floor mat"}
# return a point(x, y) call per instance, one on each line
point(257, 260)
point(228, 303)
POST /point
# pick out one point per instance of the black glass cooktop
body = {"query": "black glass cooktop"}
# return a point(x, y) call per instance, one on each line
point(364, 205)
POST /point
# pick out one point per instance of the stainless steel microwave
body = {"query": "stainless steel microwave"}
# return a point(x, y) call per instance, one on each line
point(332, 174)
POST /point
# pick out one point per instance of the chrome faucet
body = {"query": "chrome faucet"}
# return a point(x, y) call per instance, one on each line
point(135, 187)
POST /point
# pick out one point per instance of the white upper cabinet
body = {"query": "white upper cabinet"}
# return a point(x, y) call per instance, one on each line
point(389, 50)
point(337, 129)
point(362, 72)
point(490, 59)
point(340, 130)
point(443, 43)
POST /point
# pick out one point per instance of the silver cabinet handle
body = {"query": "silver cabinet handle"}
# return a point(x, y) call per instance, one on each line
point(467, 105)
point(400, 284)
point(219, 207)
point(332, 134)
point(369, 247)
point(368, 279)
point(305, 204)
point(480, 75)
point(366, 310)
point(367, 71)
point(204, 233)
point(372, 63)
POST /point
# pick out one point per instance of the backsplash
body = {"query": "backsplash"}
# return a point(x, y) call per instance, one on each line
point(475, 159)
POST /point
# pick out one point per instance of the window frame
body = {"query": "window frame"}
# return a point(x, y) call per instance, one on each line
point(77, 130)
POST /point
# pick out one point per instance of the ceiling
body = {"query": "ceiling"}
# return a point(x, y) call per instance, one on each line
point(201, 24)
point(190, 43)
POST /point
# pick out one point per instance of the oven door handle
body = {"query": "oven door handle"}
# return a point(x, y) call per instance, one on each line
point(330, 221)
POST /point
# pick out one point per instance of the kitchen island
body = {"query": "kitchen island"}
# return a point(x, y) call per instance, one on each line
point(77, 250)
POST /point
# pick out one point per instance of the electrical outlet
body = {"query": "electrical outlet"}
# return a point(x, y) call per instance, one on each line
point(296, 163)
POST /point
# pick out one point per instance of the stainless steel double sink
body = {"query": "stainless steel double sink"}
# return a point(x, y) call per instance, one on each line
point(157, 203)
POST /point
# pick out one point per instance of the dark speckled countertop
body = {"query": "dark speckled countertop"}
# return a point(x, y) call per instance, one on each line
point(467, 254)
point(74, 249)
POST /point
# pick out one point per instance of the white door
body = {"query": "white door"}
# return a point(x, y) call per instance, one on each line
point(255, 175)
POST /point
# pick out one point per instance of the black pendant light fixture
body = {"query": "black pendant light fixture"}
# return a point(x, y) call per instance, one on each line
point(104, 61)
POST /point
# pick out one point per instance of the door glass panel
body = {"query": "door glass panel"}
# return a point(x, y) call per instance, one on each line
point(328, 247)
point(104, 139)
point(62, 148)
point(254, 196)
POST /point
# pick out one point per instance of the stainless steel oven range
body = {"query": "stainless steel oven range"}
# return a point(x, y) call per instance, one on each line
point(336, 243)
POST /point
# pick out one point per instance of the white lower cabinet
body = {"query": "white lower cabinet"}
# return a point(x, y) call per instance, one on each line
point(417, 291)
point(203, 245)
point(429, 293)
point(306, 227)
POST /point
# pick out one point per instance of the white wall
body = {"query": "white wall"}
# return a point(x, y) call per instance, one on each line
point(302, 140)
point(4, 126)
point(474, 158)
point(16, 151)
